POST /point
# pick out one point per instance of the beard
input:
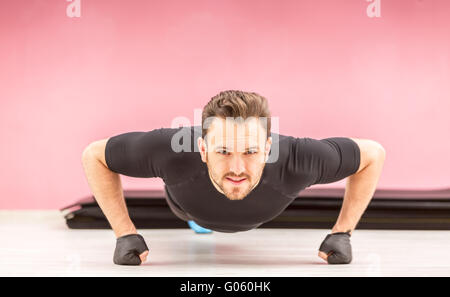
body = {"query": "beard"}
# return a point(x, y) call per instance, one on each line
point(233, 192)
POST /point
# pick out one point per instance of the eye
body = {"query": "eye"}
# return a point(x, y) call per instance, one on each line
point(251, 152)
point(222, 152)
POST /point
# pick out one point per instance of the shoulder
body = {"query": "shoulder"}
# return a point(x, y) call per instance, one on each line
point(369, 150)
point(289, 167)
point(168, 153)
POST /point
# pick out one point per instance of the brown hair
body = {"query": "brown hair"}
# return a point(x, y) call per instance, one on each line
point(233, 103)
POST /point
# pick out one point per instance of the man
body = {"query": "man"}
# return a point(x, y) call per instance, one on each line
point(223, 180)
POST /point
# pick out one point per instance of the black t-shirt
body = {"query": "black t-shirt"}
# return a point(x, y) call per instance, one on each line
point(301, 162)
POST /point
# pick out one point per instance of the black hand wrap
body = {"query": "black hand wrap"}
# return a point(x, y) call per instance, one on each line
point(128, 249)
point(338, 244)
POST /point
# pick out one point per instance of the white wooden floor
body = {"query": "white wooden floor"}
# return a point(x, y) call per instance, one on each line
point(38, 243)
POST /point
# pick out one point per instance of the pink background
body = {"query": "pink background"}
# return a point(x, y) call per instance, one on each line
point(326, 67)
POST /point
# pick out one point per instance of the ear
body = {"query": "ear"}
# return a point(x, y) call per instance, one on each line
point(268, 144)
point(267, 148)
point(202, 148)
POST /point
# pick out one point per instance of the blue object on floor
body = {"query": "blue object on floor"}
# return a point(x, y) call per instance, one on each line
point(197, 228)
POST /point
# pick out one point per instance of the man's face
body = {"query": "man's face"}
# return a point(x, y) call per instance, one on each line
point(235, 154)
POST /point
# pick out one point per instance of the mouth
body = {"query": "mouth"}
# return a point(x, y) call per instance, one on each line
point(236, 181)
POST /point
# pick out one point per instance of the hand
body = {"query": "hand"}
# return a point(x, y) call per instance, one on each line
point(336, 248)
point(130, 250)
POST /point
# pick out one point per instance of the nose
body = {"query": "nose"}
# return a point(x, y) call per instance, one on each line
point(237, 165)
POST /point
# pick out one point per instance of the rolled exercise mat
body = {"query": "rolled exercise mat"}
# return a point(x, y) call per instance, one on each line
point(314, 208)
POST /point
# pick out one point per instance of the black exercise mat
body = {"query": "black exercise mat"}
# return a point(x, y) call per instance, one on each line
point(313, 209)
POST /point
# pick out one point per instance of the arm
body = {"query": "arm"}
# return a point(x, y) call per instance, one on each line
point(107, 188)
point(361, 185)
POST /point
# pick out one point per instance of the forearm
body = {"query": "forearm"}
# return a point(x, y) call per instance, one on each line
point(359, 191)
point(107, 189)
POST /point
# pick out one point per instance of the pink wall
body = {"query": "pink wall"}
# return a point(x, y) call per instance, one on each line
point(326, 67)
